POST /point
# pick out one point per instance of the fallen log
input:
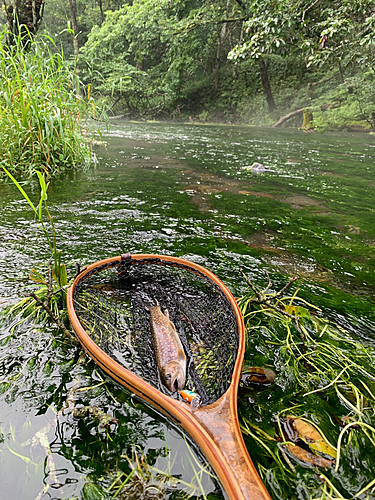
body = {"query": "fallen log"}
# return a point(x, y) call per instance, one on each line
point(288, 117)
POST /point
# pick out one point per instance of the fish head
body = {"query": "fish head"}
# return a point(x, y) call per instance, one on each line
point(173, 376)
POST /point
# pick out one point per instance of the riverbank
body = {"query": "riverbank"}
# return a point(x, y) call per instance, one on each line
point(335, 105)
point(355, 127)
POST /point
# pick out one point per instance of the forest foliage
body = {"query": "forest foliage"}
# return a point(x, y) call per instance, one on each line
point(233, 61)
point(228, 60)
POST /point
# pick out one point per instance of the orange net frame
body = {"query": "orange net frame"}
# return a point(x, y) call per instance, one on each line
point(108, 307)
point(111, 303)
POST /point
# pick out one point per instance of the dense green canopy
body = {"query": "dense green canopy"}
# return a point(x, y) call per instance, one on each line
point(220, 60)
point(235, 61)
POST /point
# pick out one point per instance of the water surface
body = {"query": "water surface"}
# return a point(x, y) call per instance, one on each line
point(188, 191)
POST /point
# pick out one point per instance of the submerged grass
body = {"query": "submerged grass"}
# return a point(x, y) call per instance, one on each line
point(149, 482)
point(40, 112)
point(48, 300)
point(325, 378)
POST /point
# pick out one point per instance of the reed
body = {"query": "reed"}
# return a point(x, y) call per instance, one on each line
point(40, 113)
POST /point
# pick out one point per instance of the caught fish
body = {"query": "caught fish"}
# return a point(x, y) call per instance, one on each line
point(192, 398)
point(169, 352)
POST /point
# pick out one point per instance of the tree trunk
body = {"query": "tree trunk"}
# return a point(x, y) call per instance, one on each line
point(288, 117)
point(221, 38)
point(218, 54)
point(23, 20)
point(102, 17)
point(73, 16)
point(217, 63)
point(266, 85)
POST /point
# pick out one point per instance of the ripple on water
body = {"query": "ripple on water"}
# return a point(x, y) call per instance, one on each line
point(180, 190)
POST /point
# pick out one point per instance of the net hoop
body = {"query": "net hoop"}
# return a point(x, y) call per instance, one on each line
point(215, 427)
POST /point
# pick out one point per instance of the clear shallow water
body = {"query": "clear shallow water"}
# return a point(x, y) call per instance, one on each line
point(187, 191)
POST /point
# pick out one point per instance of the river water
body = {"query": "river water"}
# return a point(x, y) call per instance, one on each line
point(188, 191)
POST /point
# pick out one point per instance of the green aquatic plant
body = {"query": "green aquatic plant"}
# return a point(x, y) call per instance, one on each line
point(40, 114)
point(149, 482)
point(325, 383)
point(48, 301)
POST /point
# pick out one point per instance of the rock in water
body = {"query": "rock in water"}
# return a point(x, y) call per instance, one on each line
point(258, 167)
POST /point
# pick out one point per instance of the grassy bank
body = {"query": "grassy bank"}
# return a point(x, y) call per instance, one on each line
point(41, 114)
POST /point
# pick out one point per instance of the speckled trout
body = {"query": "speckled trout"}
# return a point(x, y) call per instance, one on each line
point(169, 351)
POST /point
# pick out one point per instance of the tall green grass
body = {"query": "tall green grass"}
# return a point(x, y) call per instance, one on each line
point(48, 301)
point(40, 113)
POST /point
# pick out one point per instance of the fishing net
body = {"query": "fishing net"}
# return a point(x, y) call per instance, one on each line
point(111, 302)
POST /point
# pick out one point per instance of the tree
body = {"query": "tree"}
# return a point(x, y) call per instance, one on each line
point(89, 13)
point(266, 84)
point(239, 50)
point(73, 14)
point(23, 19)
point(346, 34)
point(321, 33)
point(161, 57)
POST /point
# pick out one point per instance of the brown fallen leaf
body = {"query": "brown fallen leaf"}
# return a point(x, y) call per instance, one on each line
point(308, 457)
point(312, 437)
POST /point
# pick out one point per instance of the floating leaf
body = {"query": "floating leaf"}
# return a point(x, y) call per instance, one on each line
point(307, 457)
point(312, 437)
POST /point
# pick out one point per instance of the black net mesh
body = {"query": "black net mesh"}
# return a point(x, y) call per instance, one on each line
point(112, 301)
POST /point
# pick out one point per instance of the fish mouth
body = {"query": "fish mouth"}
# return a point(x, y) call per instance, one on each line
point(175, 384)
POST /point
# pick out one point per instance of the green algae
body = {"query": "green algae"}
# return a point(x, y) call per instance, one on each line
point(324, 376)
point(187, 192)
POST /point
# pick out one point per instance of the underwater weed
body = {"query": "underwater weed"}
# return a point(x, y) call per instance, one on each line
point(48, 301)
point(144, 481)
point(325, 385)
